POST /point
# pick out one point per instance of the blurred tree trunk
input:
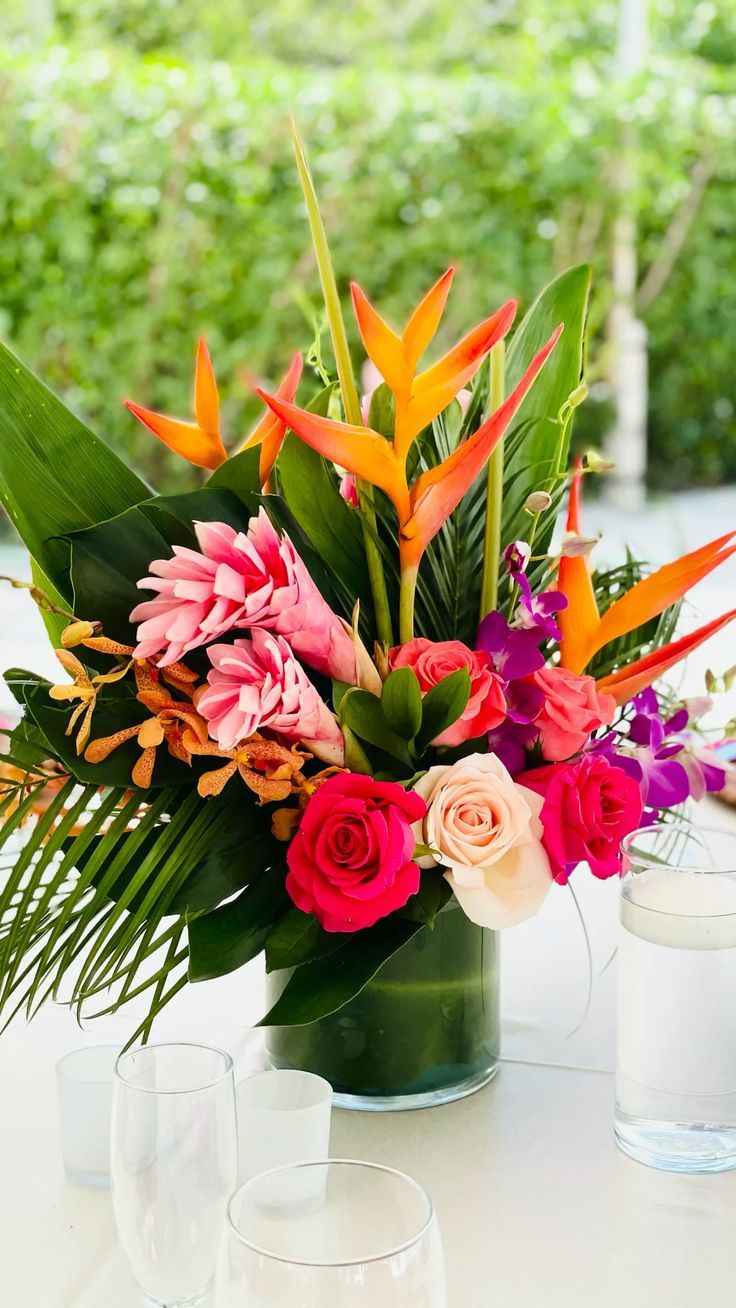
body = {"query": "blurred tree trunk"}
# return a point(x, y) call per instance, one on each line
point(627, 442)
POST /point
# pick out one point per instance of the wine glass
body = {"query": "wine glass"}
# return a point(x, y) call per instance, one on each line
point(334, 1234)
point(173, 1166)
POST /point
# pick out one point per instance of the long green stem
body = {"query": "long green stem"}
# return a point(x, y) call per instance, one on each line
point(494, 492)
point(349, 391)
point(406, 603)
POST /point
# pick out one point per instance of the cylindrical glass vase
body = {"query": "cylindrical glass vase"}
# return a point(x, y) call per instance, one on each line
point(424, 1031)
point(676, 1048)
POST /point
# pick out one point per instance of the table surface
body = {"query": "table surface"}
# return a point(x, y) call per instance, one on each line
point(537, 1206)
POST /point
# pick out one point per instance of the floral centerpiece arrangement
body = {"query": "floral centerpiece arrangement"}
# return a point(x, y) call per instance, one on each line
point(343, 702)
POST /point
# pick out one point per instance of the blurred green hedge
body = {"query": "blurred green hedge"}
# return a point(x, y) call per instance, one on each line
point(147, 198)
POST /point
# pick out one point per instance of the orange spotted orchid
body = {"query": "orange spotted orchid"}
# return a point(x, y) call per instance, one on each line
point(585, 631)
point(200, 441)
point(424, 506)
point(169, 721)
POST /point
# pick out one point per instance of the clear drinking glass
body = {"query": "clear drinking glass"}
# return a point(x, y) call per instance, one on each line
point(676, 1047)
point(283, 1117)
point(84, 1080)
point(331, 1235)
point(173, 1166)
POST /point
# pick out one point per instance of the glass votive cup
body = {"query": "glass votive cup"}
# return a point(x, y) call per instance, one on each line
point(676, 965)
point(84, 1081)
point(283, 1118)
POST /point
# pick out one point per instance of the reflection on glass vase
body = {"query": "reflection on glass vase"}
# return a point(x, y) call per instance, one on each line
point(424, 1031)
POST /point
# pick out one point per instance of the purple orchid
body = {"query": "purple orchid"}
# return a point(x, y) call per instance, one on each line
point(535, 613)
point(659, 753)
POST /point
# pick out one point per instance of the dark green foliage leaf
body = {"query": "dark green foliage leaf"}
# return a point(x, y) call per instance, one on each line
point(175, 514)
point(298, 938)
point(401, 700)
point(434, 892)
point(106, 562)
point(239, 474)
point(55, 475)
point(443, 705)
point(364, 714)
point(221, 941)
point(321, 987)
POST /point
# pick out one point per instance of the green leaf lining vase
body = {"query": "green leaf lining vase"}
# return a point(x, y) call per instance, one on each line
point(423, 1032)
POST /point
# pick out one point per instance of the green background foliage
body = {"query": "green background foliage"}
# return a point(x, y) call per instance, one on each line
point(148, 193)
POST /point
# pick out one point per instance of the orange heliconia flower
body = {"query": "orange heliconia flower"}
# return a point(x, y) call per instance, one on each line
point(200, 441)
point(427, 503)
point(585, 631)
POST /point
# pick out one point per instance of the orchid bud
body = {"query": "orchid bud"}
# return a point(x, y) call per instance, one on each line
point(577, 547)
point(77, 632)
point(538, 502)
point(577, 396)
point(594, 463)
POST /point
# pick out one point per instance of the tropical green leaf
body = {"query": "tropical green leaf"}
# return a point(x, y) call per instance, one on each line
point(401, 700)
point(239, 474)
point(298, 938)
point(531, 463)
point(363, 713)
point(221, 941)
point(55, 475)
point(434, 892)
point(323, 986)
point(443, 705)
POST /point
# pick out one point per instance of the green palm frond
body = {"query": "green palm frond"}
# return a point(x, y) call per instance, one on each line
point(97, 891)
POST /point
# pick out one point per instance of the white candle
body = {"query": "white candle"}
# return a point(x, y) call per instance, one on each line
point(682, 910)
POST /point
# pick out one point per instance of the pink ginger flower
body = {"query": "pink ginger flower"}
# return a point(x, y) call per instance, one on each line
point(238, 580)
point(349, 490)
point(258, 683)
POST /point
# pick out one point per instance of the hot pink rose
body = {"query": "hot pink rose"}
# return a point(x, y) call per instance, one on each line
point(432, 660)
point(589, 806)
point(258, 683)
point(350, 862)
point(572, 708)
point(239, 580)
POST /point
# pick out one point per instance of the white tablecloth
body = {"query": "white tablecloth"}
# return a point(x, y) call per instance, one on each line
point(538, 1208)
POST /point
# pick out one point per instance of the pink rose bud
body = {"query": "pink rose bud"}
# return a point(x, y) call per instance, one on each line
point(431, 661)
point(258, 683)
point(572, 708)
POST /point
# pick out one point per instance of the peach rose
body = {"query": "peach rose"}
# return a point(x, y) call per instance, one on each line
point(572, 708)
point(486, 831)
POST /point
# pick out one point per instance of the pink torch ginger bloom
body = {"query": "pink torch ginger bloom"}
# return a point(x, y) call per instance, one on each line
point(258, 683)
point(238, 580)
